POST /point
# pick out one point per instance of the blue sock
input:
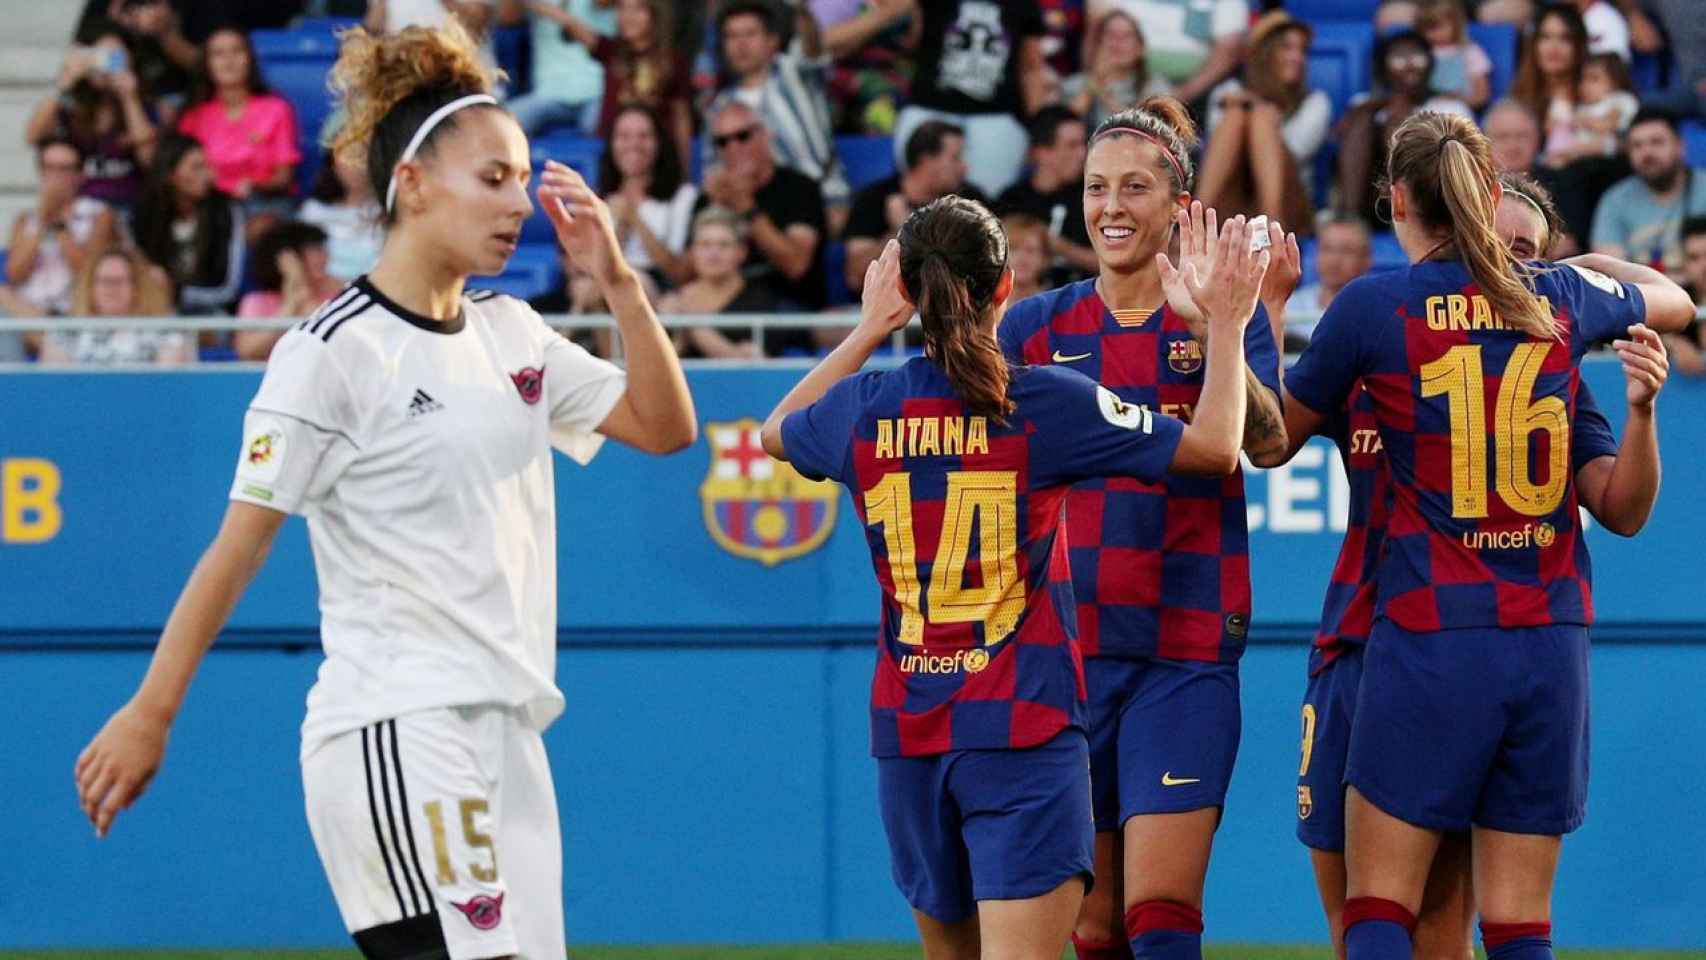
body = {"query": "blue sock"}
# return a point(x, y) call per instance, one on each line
point(1517, 941)
point(1163, 930)
point(1377, 929)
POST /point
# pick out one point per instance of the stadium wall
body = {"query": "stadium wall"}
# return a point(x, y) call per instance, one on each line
point(712, 766)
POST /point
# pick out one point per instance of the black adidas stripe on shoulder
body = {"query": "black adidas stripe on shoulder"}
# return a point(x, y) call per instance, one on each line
point(356, 307)
point(339, 301)
point(481, 296)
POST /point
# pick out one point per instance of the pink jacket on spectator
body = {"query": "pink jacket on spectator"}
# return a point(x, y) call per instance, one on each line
point(248, 147)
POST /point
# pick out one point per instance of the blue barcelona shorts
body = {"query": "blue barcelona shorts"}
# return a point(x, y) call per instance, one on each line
point(1163, 736)
point(1482, 727)
point(972, 825)
point(1329, 704)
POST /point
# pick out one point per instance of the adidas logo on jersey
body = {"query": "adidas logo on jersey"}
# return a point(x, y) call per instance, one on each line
point(423, 403)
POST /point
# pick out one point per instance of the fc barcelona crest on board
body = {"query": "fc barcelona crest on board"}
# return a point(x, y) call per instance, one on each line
point(758, 507)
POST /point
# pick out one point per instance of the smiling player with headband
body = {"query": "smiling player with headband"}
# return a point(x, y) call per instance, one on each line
point(1160, 569)
point(412, 421)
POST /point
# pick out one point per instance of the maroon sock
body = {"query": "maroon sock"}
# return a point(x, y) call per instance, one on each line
point(1089, 950)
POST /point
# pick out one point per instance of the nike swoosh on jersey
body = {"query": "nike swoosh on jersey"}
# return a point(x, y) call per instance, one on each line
point(1168, 780)
point(1063, 358)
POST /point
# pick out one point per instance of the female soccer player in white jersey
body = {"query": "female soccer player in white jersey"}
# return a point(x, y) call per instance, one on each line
point(412, 423)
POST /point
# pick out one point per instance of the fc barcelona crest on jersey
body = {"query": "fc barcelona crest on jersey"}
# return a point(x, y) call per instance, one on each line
point(1184, 356)
point(758, 507)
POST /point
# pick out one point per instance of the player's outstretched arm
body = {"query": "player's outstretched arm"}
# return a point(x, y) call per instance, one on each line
point(1620, 491)
point(1227, 299)
point(114, 769)
point(1669, 307)
point(883, 310)
point(655, 414)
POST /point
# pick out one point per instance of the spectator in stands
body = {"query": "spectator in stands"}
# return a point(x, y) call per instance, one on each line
point(718, 249)
point(51, 242)
point(1606, 108)
point(1549, 76)
point(1193, 44)
point(1686, 29)
point(1688, 348)
point(1053, 192)
point(1402, 66)
point(186, 225)
point(1514, 131)
point(785, 88)
point(390, 16)
point(1116, 70)
point(651, 201)
point(980, 68)
point(162, 57)
point(1264, 130)
point(640, 67)
point(568, 84)
point(1461, 68)
point(342, 205)
point(97, 104)
point(1608, 31)
point(783, 207)
point(1640, 218)
point(934, 167)
point(579, 294)
point(247, 132)
point(1343, 252)
point(1027, 253)
point(291, 280)
point(869, 45)
point(1063, 41)
point(119, 282)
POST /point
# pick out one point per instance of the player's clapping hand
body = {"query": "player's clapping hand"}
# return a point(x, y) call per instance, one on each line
point(1285, 265)
point(582, 221)
point(1199, 239)
point(1226, 296)
point(116, 766)
point(1646, 364)
point(883, 306)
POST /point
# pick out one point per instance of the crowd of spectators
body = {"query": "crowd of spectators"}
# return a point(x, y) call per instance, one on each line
point(174, 180)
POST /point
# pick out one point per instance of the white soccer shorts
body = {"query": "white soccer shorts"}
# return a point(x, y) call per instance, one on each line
point(438, 831)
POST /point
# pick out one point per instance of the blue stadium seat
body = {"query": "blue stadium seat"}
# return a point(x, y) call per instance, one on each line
point(1388, 255)
point(525, 277)
point(867, 159)
point(1502, 42)
point(1313, 10)
point(512, 47)
point(835, 274)
point(576, 150)
point(1651, 71)
point(1306, 250)
point(1339, 60)
point(273, 45)
point(302, 81)
point(1694, 142)
point(327, 24)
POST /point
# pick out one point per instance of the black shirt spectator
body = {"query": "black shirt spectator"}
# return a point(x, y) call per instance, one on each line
point(934, 167)
point(970, 64)
point(1054, 191)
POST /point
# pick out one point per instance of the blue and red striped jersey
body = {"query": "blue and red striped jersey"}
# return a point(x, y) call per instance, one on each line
point(1160, 568)
point(1347, 614)
point(963, 517)
point(1475, 422)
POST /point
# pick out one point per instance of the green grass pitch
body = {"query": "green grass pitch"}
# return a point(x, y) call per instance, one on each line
point(871, 951)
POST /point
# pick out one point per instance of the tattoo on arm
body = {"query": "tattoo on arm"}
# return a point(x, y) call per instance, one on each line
point(1264, 423)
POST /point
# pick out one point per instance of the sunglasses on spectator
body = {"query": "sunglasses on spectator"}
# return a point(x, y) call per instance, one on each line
point(1401, 60)
point(737, 136)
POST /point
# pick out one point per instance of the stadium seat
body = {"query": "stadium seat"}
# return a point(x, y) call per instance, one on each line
point(526, 276)
point(1388, 255)
point(1339, 60)
point(271, 45)
point(302, 81)
point(326, 24)
point(575, 150)
point(1694, 142)
point(835, 274)
point(1502, 42)
point(1314, 10)
point(1306, 249)
point(512, 47)
point(866, 159)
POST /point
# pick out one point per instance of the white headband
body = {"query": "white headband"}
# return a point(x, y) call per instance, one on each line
point(421, 133)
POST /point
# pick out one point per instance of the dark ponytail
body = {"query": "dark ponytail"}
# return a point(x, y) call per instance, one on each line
point(953, 255)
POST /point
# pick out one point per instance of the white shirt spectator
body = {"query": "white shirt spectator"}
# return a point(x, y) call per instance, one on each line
point(1608, 32)
point(1178, 34)
point(668, 220)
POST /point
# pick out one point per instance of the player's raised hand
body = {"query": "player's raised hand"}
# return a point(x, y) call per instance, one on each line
point(1285, 266)
point(1199, 239)
point(116, 766)
point(1226, 297)
point(1646, 364)
point(582, 221)
point(883, 306)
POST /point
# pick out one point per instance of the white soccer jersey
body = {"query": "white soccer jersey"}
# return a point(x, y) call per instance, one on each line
point(420, 453)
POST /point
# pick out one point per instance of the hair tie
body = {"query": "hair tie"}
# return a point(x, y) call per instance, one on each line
point(1152, 138)
point(421, 133)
